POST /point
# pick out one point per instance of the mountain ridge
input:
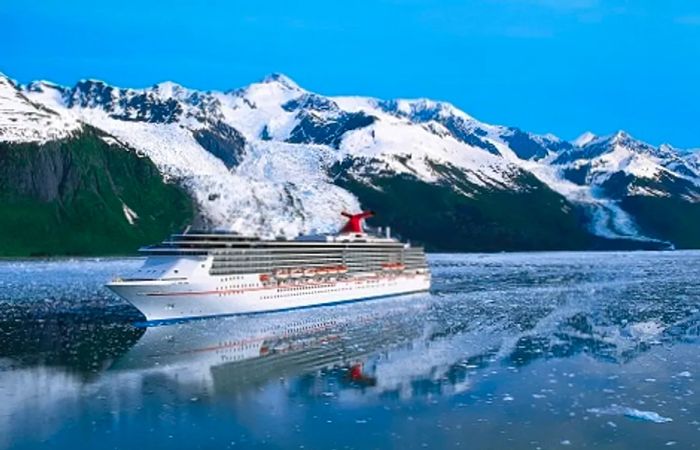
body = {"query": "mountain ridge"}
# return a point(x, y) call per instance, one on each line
point(272, 158)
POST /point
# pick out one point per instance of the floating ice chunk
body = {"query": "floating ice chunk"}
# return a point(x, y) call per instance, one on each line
point(646, 331)
point(616, 410)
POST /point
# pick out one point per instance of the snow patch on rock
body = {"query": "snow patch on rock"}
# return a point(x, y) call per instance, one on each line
point(129, 213)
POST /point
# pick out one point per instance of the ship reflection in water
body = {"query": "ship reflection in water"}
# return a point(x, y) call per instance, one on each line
point(523, 351)
point(238, 354)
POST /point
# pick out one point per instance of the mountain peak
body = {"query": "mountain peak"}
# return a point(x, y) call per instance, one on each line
point(620, 136)
point(623, 140)
point(90, 82)
point(551, 137)
point(584, 139)
point(423, 109)
point(23, 120)
point(168, 89)
point(281, 79)
point(43, 86)
point(6, 81)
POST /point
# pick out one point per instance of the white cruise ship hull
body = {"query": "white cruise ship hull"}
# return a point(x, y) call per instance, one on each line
point(201, 274)
point(163, 300)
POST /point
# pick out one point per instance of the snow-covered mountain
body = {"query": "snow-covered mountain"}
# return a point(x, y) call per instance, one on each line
point(22, 120)
point(602, 161)
point(256, 159)
point(275, 159)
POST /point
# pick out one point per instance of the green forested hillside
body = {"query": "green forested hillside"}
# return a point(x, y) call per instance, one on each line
point(68, 197)
point(435, 214)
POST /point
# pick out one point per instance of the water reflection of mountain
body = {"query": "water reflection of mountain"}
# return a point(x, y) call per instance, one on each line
point(617, 342)
point(83, 346)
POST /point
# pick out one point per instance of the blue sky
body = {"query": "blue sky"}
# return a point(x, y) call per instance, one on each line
point(560, 66)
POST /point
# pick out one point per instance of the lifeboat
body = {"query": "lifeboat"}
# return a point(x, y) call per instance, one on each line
point(282, 274)
point(322, 271)
point(264, 277)
point(342, 269)
point(296, 273)
point(393, 266)
point(310, 272)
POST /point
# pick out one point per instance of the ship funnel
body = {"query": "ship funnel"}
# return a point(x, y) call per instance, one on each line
point(387, 232)
point(355, 221)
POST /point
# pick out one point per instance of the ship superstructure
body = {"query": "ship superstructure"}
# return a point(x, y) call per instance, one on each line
point(198, 274)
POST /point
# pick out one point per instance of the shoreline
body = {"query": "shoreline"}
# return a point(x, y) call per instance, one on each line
point(433, 253)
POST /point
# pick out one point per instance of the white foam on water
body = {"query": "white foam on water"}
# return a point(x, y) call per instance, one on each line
point(633, 413)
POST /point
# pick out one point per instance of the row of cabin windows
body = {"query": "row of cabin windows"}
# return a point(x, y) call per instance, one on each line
point(238, 287)
point(317, 291)
point(225, 346)
point(296, 288)
point(313, 289)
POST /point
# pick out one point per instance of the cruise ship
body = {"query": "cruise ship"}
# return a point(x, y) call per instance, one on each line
point(200, 274)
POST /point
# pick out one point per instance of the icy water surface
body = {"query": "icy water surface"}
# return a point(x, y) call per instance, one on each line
point(561, 350)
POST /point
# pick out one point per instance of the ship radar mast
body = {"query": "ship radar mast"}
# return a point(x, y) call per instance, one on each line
point(355, 221)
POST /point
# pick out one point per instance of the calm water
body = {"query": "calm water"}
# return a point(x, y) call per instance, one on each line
point(508, 351)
